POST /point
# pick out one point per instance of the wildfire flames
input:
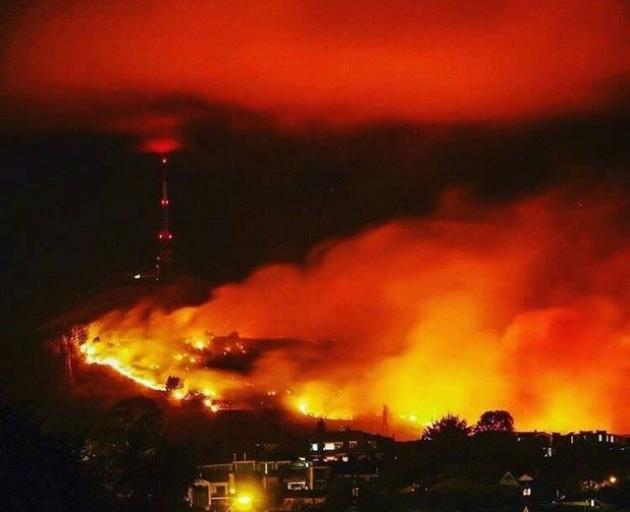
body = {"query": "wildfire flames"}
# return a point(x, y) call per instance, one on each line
point(522, 307)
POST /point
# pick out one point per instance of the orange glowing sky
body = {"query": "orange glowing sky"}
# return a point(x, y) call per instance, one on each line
point(308, 60)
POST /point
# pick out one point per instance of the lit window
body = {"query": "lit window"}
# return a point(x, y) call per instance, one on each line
point(329, 447)
point(527, 491)
point(314, 447)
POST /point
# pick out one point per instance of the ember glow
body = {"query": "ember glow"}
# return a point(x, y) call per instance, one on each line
point(521, 307)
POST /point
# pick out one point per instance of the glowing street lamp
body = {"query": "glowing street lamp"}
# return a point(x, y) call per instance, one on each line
point(243, 502)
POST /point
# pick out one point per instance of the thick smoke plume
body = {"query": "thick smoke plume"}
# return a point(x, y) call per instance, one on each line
point(521, 306)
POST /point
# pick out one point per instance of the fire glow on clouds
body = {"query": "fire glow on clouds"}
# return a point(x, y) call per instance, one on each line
point(358, 60)
point(522, 307)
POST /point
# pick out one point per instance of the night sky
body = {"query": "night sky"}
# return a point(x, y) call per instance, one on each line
point(82, 209)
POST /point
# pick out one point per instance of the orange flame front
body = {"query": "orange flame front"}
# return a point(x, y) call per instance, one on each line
point(521, 307)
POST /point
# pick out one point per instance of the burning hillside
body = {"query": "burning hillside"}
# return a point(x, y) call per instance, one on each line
point(521, 307)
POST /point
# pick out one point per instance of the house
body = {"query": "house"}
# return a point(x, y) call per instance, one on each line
point(593, 437)
point(344, 445)
point(301, 500)
point(220, 486)
point(524, 481)
point(509, 480)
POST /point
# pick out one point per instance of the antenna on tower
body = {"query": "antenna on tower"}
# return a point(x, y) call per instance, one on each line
point(385, 419)
point(164, 259)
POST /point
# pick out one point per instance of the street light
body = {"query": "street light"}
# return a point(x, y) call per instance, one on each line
point(243, 502)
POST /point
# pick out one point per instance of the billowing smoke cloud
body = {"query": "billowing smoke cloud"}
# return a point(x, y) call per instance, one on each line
point(522, 307)
point(298, 60)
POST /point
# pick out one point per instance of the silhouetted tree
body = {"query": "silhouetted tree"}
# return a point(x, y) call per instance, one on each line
point(320, 427)
point(448, 428)
point(494, 444)
point(466, 493)
point(123, 452)
point(495, 421)
point(173, 383)
point(447, 441)
point(39, 470)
